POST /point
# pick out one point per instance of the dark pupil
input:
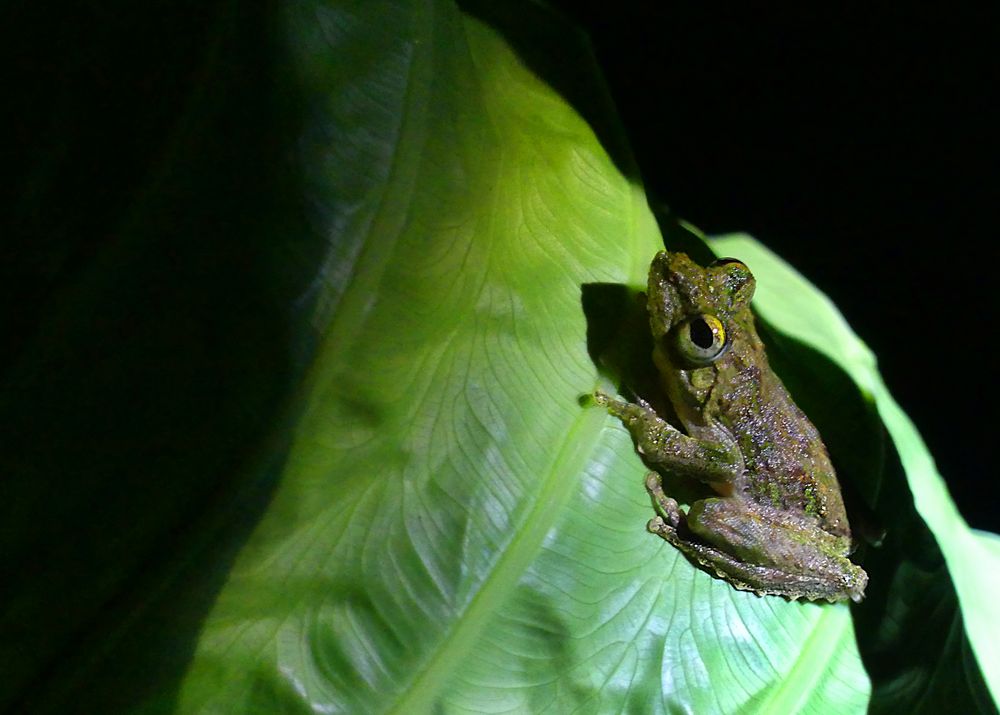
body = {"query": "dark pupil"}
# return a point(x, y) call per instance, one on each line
point(701, 334)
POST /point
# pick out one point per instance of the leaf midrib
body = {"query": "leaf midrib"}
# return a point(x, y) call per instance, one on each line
point(559, 483)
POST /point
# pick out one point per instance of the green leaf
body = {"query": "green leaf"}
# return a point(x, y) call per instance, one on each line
point(435, 523)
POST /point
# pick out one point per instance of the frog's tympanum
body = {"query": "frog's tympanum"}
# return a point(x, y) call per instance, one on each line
point(777, 524)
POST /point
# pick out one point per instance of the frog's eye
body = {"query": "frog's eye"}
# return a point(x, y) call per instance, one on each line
point(701, 339)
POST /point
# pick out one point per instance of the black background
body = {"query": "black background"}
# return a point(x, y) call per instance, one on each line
point(861, 145)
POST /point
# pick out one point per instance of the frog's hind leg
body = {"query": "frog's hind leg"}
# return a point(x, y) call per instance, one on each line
point(682, 531)
point(762, 580)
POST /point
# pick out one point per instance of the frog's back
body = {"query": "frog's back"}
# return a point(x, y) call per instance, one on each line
point(787, 464)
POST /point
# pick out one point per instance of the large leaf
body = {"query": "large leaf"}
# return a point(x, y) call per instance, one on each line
point(436, 523)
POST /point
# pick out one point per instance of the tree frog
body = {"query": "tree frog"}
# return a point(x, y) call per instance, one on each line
point(774, 522)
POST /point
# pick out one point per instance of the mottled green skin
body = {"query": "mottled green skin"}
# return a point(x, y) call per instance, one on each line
point(778, 525)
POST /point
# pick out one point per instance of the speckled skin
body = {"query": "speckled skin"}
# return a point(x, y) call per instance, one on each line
point(778, 525)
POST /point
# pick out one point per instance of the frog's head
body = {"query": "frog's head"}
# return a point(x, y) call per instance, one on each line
point(693, 310)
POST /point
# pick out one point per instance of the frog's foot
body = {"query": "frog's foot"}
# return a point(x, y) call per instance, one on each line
point(666, 507)
point(670, 515)
point(658, 526)
point(631, 413)
point(614, 405)
point(668, 530)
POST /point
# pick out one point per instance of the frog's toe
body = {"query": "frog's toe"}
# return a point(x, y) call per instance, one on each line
point(658, 526)
point(600, 397)
point(665, 506)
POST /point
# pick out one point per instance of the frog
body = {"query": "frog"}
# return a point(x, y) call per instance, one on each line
point(772, 519)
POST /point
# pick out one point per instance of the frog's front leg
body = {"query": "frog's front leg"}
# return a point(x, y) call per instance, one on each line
point(663, 444)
